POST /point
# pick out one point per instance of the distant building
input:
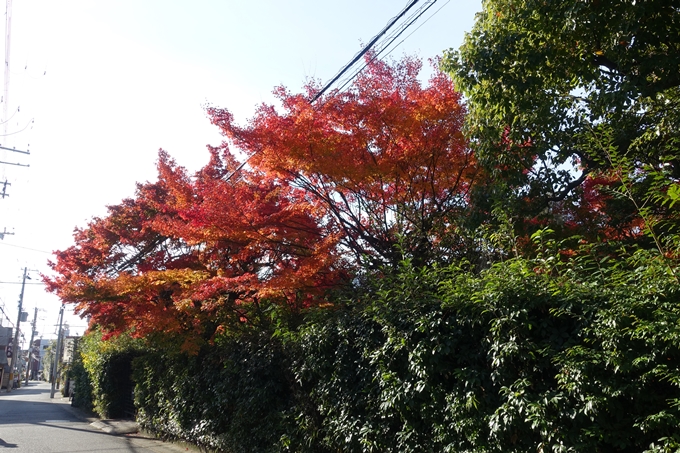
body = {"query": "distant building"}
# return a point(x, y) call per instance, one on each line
point(70, 345)
point(37, 353)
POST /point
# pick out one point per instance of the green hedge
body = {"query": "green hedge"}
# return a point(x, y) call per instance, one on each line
point(230, 397)
point(547, 354)
point(82, 398)
point(103, 374)
point(530, 355)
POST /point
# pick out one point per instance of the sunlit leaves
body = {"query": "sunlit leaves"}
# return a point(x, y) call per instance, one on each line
point(376, 171)
point(541, 78)
point(386, 159)
point(184, 254)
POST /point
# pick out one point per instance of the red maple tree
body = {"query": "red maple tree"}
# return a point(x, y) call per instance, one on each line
point(387, 158)
point(378, 171)
point(186, 253)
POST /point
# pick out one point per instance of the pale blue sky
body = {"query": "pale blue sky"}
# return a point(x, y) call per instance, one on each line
point(127, 77)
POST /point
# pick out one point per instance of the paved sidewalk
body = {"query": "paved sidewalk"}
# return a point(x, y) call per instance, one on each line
point(32, 422)
point(108, 426)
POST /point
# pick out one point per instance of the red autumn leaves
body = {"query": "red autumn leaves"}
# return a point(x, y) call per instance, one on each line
point(354, 179)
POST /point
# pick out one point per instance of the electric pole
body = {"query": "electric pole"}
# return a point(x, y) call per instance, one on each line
point(4, 233)
point(56, 353)
point(5, 98)
point(16, 350)
point(8, 36)
point(29, 362)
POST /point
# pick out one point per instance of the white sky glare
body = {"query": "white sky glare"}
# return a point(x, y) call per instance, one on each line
point(109, 83)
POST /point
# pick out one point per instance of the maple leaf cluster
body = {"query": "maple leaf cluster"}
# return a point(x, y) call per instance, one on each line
point(387, 159)
point(359, 177)
point(185, 252)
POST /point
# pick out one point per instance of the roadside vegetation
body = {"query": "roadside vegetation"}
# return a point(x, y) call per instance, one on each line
point(486, 261)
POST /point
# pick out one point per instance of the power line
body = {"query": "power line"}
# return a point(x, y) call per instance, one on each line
point(365, 49)
point(393, 37)
point(19, 283)
point(25, 248)
point(13, 163)
point(15, 150)
point(6, 317)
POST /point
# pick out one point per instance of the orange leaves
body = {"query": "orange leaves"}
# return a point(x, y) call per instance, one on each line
point(181, 255)
point(382, 159)
point(325, 185)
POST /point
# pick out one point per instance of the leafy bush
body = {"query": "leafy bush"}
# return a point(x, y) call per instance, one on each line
point(229, 397)
point(544, 354)
point(577, 354)
point(108, 365)
point(82, 398)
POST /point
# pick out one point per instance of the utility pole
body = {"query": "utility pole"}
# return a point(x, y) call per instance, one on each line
point(5, 98)
point(29, 362)
point(56, 353)
point(4, 233)
point(4, 193)
point(16, 350)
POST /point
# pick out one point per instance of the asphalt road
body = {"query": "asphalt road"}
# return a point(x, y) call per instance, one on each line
point(32, 422)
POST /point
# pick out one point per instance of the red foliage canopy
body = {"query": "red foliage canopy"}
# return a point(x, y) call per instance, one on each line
point(387, 159)
point(364, 171)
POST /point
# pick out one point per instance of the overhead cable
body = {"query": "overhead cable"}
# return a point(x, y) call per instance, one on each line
point(391, 38)
point(364, 50)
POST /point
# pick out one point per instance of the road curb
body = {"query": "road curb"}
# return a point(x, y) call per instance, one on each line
point(116, 426)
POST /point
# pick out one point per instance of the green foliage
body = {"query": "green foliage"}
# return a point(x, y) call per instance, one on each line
point(542, 354)
point(577, 354)
point(230, 397)
point(651, 190)
point(548, 69)
point(541, 76)
point(82, 397)
point(108, 366)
